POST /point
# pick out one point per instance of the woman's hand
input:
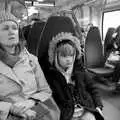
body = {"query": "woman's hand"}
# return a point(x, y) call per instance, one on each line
point(30, 114)
point(21, 107)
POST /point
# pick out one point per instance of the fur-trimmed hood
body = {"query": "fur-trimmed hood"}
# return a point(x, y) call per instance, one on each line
point(59, 38)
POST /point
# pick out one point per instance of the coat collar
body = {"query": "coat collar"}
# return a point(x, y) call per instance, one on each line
point(77, 75)
point(8, 72)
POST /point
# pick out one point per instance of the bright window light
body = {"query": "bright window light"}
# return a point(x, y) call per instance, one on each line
point(28, 2)
point(111, 19)
point(40, 0)
point(42, 4)
point(32, 10)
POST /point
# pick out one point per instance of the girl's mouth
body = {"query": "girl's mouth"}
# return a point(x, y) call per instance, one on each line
point(11, 38)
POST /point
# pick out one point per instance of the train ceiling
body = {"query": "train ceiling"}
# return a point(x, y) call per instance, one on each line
point(56, 5)
point(69, 3)
point(48, 7)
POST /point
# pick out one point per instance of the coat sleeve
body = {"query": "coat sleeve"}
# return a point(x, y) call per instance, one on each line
point(65, 105)
point(54, 110)
point(4, 110)
point(43, 89)
point(44, 94)
point(92, 89)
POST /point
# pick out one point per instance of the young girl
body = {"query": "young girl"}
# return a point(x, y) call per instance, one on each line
point(73, 90)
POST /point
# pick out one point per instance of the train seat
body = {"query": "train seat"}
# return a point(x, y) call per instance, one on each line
point(94, 57)
point(33, 36)
point(54, 25)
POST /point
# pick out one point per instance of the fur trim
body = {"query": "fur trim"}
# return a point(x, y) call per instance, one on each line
point(60, 37)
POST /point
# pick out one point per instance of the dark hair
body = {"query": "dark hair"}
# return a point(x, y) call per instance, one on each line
point(35, 19)
point(21, 37)
point(66, 48)
point(117, 38)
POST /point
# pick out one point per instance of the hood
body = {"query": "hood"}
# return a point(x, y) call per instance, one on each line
point(59, 38)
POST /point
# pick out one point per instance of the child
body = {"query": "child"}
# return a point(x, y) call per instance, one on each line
point(73, 90)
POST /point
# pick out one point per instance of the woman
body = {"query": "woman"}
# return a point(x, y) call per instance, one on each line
point(73, 90)
point(24, 92)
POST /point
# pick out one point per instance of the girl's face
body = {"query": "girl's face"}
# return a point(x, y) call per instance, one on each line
point(9, 33)
point(65, 61)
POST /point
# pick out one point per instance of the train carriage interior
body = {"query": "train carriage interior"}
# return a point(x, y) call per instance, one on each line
point(96, 24)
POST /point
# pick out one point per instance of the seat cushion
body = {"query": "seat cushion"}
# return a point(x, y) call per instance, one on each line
point(105, 71)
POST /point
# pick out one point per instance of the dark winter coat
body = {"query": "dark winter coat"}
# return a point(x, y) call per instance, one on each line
point(84, 90)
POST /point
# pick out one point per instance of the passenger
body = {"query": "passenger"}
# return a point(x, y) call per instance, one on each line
point(32, 34)
point(108, 42)
point(24, 92)
point(73, 90)
point(26, 29)
point(114, 48)
point(116, 75)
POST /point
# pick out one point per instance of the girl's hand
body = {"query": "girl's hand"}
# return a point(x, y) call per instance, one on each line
point(100, 111)
point(88, 116)
point(78, 112)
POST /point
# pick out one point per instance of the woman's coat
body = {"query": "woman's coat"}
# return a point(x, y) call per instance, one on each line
point(25, 77)
point(25, 80)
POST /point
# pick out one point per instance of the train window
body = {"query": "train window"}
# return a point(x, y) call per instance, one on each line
point(110, 19)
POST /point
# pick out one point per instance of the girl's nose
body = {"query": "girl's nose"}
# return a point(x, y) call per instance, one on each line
point(68, 60)
point(11, 31)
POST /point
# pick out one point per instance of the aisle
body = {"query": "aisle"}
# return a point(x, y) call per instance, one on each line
point(111, 104)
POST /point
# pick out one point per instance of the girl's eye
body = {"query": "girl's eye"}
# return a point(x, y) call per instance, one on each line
point(14, 27)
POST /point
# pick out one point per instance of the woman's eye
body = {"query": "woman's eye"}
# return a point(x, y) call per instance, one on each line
point(5, 28)
point(13, 27)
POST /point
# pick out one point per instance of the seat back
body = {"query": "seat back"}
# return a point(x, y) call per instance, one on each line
point(34, 36)
point(94, 49)
point(54, 25)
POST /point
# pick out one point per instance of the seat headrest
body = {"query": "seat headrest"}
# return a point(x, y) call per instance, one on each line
point(54, 25)
point(93, 48)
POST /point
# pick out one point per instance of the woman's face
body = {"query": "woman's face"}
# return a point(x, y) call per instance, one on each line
point(65, 61)
point(9, 33)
